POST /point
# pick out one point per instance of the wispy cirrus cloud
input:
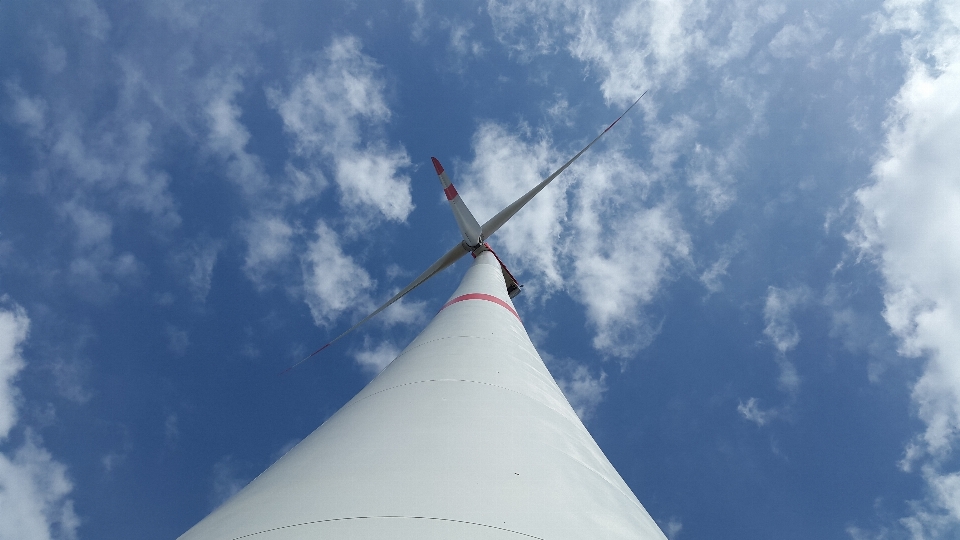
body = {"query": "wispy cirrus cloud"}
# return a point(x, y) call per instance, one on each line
point(752, 411)
point(783, 333)
point(196, 262)
point(780, 328)
point(796, 40)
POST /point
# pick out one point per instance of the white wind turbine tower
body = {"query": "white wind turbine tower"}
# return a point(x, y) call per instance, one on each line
point(464, 435)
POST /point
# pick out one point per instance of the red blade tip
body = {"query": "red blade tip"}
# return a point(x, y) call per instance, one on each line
point(437, 166)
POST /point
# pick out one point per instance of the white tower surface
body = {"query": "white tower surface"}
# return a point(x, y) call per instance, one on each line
point(464, 435)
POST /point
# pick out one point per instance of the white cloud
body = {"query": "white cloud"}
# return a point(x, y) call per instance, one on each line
point(906, 223)
point(94, 21)
point(673, 528)
point(93, 228)
point(30, 112)
point(333, 112)
point(374, 358)
point(111, 460)
point(619, 269)
point(178, 340)
point(560, 112)
point(269, 242)
point(583, 390)
point(670, 140)
point(777, 309)
point(228, 137)
point(460, 42)
point(708, 170)
point(142, 187)
point(33, 494)
point(710, 175)
point(227, 480)
point(859, 331)
point(68, 377)
point(420, 23)
point(303, 185)
point(647, 45)
point(635, 45)
point(782, 331)
point(622, 251)
point(370, 177)
point(751, 411)
point(796, 40)
point(404, 311)
point(14, 327)
point(712, 277)
point(54, 56)
point(33, 486)
point(196, 263)
point(112, 158)
point(93, 172)
point(95, 269)
point(333, 282)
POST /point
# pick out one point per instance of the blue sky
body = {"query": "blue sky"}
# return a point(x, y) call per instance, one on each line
point(748, 289)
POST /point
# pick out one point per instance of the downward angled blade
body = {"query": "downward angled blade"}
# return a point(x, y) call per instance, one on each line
point(449, 258)
point(497, 221)
point(469, 227)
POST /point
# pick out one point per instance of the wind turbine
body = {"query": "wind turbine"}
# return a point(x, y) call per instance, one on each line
point(464, 435)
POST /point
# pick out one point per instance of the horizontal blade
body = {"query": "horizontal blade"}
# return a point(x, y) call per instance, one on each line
point(449, 258)
point(497, 221)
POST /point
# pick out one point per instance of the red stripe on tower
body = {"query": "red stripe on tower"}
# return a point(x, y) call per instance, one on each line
point(482, 296)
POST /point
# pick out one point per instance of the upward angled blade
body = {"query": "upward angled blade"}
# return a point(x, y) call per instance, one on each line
point(497, 221)
point(469, 227)
point(449, 258)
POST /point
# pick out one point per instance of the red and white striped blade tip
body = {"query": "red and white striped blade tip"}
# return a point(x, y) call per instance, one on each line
point(437, 165)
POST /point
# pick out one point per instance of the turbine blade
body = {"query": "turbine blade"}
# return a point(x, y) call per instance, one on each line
point(449, 258)
point(497, 221)
point(469, 227)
